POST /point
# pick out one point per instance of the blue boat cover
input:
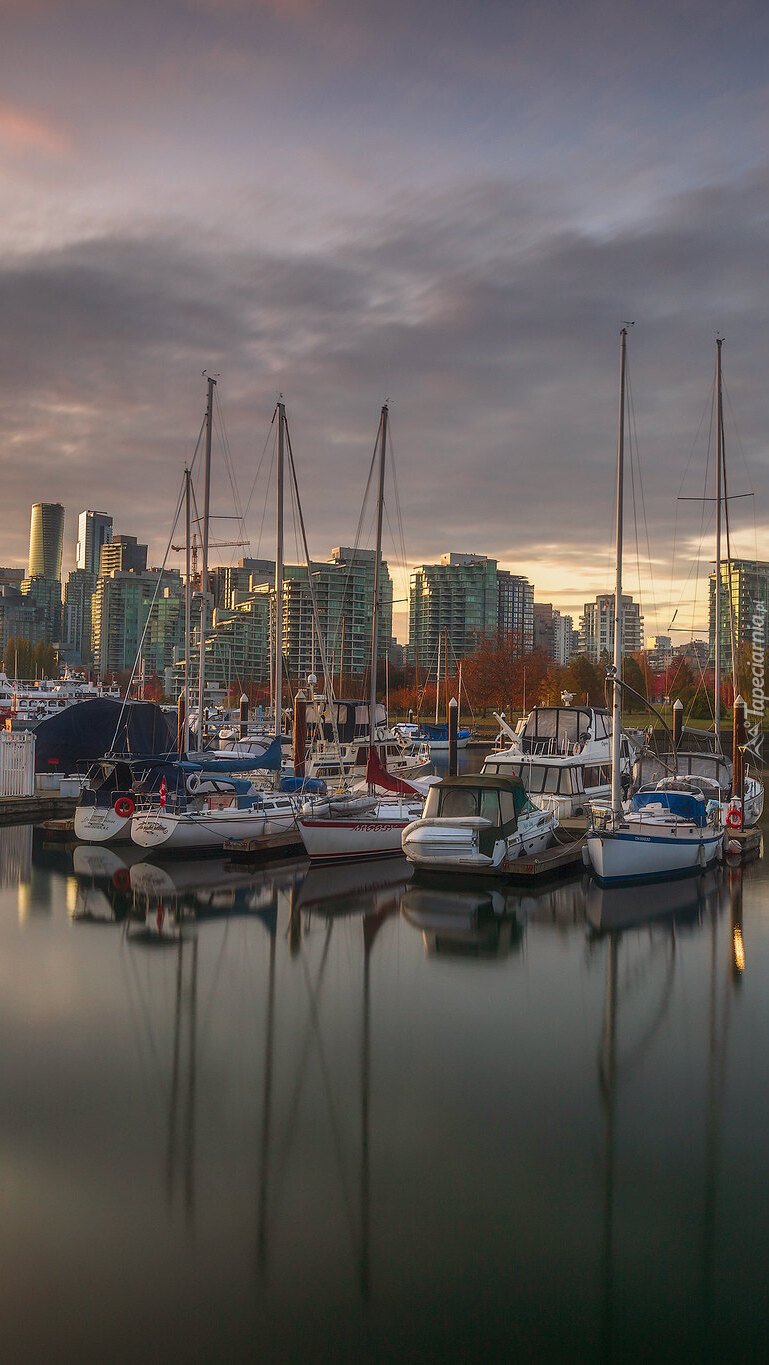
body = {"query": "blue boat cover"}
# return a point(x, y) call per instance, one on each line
point(315, 785)
point(685, 804)
point(436, 732)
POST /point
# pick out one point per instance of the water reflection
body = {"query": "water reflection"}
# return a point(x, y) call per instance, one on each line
point(341, 1125)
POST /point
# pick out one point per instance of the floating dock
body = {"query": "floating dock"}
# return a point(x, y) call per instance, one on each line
point(265, 846)
point(561, 858)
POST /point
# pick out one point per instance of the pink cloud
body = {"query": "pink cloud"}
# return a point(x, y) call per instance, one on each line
point(23, 130)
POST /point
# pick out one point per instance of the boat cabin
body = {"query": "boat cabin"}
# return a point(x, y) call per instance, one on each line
point(562, 730)
point(500, 800)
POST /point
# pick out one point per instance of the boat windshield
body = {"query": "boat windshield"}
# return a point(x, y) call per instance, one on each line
point(456, 803)
point(556, 730)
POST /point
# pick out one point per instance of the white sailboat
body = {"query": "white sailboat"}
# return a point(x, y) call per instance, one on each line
point(667, 831)
point(206, 820)
point(373, 832)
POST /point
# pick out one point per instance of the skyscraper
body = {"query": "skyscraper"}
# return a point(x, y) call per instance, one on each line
point(46, 539)
point(94, 529)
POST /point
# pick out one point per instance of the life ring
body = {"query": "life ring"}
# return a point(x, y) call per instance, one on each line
point(124, 807)
point(733, 818)
point(121, 879)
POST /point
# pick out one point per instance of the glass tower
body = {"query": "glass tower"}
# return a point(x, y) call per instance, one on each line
point(46, 538)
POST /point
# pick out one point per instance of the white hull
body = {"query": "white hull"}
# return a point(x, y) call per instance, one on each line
point(441, 746)
point(370, 836)
point(635, 853)
point(440, 845)
point(101, 825)
point(206, 829)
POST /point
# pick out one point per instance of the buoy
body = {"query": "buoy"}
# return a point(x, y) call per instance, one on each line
point(733, 818)
point(124, 807)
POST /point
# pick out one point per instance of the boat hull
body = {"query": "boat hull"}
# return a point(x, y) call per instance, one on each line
point(206, 830)
point(630, 855)
point(332, 840)
point(101, 825)
point(448, 846)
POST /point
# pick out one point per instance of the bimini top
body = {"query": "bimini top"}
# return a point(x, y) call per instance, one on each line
point(469, 786)
point(687, 805)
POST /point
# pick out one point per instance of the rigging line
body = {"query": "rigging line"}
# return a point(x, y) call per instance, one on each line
point(707, 409)
point(356, 545)
point(230, 468)
point(728, 562)
point(179, 505)
point(633, 452)
point(328, 677)
point(273, 463)
point(259, 465)
point(744, 461)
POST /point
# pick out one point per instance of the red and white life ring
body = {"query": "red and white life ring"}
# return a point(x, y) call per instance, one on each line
point(124, 807)
point(733, 818)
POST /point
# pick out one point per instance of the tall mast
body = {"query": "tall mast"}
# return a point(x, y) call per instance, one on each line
point(438, 679)
point(719, 498)
point(378, 553)
point(616, 722)
point(204, 565)
point(278, 682)
point(187, 605)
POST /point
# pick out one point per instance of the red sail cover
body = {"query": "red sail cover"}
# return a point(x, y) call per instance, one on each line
point(378, 776)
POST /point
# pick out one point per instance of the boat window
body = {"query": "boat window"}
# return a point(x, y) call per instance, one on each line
point(491, 767)
point(601, 728)
point(507, 807)
point(490, 806)
point(533, 777)
point(566, 780)
point(361, 758)
point(459, 801)
point(551, 780)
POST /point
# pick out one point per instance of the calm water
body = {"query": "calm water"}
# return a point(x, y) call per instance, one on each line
point(338, 1115)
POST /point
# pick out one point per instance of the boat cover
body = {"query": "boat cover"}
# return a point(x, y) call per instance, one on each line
point(84, 732)
point(685, 804)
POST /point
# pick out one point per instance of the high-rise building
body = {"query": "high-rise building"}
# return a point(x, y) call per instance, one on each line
point(76, 626)
point(121, 605)
point(553, 633)
point(597, 627)
point(94, 529)
point(744, 588)
point(46, 541)
point(515, 610)
point(344, 594)
point(123, 553)
point(465, 599)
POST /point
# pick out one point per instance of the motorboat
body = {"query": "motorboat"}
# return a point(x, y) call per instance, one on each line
point(478, 823)
point(563, 756)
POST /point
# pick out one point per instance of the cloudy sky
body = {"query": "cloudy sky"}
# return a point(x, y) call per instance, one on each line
point(453, 206)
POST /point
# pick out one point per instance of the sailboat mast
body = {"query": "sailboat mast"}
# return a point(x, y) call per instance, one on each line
point(616, 731)
point(438, 680)
point(719, 499)
point(204, 564)
point(187, 604)
point(377, 557)
point(278, 682)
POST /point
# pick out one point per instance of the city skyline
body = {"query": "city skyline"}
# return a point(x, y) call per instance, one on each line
point(453, 208)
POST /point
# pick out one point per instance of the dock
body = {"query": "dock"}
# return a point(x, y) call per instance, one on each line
point(33, 810)
point(560, 859)
point(264, 846)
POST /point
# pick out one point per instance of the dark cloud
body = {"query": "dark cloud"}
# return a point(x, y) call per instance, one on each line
point(501, 364)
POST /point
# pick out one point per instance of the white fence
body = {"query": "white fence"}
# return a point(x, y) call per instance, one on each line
point(17, 763)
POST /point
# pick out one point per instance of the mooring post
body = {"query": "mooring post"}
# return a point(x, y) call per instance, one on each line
point(738, 756)
point(452, 718)
point(243, 716)
point(300, 734)
point(678, 722)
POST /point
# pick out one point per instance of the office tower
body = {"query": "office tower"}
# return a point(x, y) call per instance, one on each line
point(94, 529)
point(122, 553)
point(744, 589)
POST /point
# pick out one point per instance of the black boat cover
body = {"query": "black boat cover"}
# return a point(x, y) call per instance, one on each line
point(80, 734)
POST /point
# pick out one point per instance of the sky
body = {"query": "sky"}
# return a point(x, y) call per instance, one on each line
point(453, 207)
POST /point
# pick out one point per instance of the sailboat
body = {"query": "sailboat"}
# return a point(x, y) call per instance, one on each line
point(203, 819)
point(437, 734)
point(374, 830)
point(670, 829)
